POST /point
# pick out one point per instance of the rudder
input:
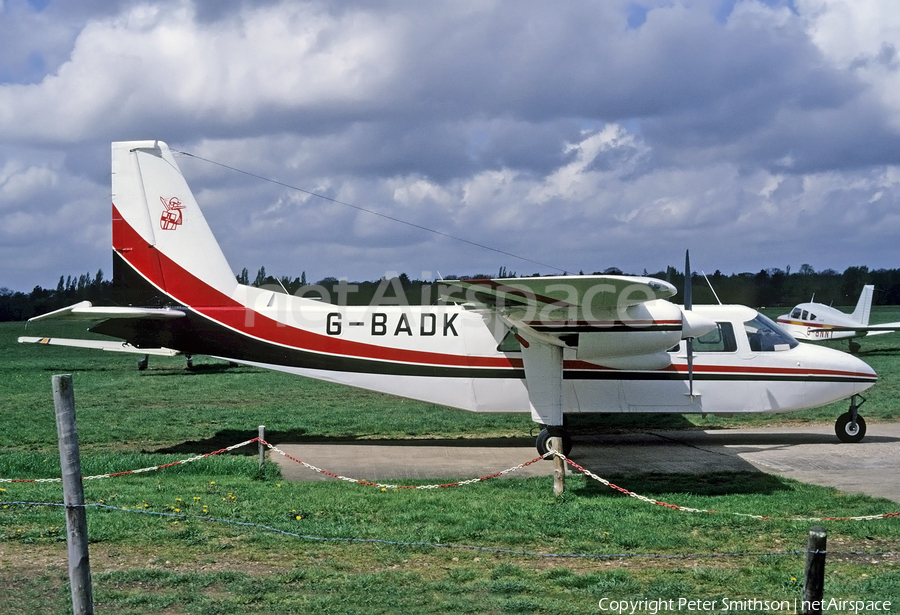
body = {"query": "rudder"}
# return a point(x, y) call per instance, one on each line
point(864, 306)
point(162, 243)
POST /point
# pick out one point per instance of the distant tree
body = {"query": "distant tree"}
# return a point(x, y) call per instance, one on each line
point(260, 277)
point(852, 281)
point(244, 278)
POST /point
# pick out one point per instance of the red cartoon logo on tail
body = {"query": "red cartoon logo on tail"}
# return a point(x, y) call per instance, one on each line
point(171, 217)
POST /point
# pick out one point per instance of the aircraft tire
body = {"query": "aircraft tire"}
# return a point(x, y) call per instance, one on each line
point(845, 433)
point(542, 443)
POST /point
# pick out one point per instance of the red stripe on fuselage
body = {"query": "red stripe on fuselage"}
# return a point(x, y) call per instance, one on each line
point(187, 289)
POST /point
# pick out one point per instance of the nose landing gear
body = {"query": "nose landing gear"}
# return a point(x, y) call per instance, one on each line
point(850, 427)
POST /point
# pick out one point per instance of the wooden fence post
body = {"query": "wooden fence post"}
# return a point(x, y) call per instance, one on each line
point(261, 432)
point(73, 496)
point(814, 575)
point(559, 466)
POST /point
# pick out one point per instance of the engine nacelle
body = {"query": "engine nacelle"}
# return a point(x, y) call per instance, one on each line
point(645, 329)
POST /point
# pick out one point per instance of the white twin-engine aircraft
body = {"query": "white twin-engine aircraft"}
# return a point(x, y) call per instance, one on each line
point(817, 321)
point(551, 346)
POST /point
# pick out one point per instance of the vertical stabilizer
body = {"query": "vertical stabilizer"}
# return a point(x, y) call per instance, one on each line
point(864, 305)
point(159, 233)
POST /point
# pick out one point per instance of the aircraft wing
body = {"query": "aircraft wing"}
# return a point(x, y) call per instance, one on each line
point(85, 310)
point(98, 345)
point(879, 329)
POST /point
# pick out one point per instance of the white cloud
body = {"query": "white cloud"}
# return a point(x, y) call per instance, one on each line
point(567, 133)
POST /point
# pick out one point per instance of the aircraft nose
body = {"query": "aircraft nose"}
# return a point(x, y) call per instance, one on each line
point(855, 370)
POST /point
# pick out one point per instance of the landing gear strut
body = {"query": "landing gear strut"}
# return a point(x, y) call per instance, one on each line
point(850, 427)
point(542, 443)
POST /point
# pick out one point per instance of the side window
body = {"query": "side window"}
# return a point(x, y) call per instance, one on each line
point(812, 316)
point(720, 339)
point(805, 316)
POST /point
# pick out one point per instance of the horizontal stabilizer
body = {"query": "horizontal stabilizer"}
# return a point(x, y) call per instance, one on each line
point(98, 345)
point(86, 311)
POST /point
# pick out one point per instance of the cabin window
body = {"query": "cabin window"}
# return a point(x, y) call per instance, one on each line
point(765, 336)
point(805, 315)
point(720, 339)
point(812, 316)
point(795, 313)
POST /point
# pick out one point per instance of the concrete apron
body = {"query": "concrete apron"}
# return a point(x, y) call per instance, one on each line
point(807, 453)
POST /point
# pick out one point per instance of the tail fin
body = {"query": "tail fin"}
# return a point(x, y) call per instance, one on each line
point(162, 245)
point(864, 305)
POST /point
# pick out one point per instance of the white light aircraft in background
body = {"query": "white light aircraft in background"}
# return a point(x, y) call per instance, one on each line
point(816, 321)
point(550, 346)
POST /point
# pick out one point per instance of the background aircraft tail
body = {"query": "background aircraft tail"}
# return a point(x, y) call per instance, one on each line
point(864, 305)
point(163, 249)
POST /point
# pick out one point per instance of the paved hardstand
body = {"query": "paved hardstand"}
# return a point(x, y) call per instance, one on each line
point(808, 453)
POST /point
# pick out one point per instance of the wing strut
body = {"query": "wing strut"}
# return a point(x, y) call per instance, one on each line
point(544, 378)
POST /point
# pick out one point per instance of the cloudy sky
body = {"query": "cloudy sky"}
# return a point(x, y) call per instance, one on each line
point(577, 135)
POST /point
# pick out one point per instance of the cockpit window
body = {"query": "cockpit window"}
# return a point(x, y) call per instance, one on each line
point(765, 336)
point(795, 313)
point(720, 339)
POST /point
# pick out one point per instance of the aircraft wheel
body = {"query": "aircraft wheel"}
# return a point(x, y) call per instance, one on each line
point(542, 443)
point(854, 347)
point(142, 363)
point(844, 430)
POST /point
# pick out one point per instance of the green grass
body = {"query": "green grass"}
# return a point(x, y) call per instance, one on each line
point(183, 563)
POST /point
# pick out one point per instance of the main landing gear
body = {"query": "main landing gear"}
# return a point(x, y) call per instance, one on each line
point(850, 427)
point(542, 443)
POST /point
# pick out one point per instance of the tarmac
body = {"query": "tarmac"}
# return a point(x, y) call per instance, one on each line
point(807, 453)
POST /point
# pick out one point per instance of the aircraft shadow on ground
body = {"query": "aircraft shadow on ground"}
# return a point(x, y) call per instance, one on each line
point(748, 482)
point(878, 352)
point(201, 370)
point(229, 437)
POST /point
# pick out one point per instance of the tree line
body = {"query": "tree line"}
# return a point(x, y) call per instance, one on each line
point(768, 288)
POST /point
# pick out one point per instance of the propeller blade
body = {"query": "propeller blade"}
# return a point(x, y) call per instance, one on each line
point(688, 291)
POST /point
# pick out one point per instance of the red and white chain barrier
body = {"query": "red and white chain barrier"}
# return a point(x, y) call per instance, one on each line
point(150, 469)
point(642, 498)
point(471, 481)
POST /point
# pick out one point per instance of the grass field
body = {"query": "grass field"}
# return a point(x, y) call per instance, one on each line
point(177, 562)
